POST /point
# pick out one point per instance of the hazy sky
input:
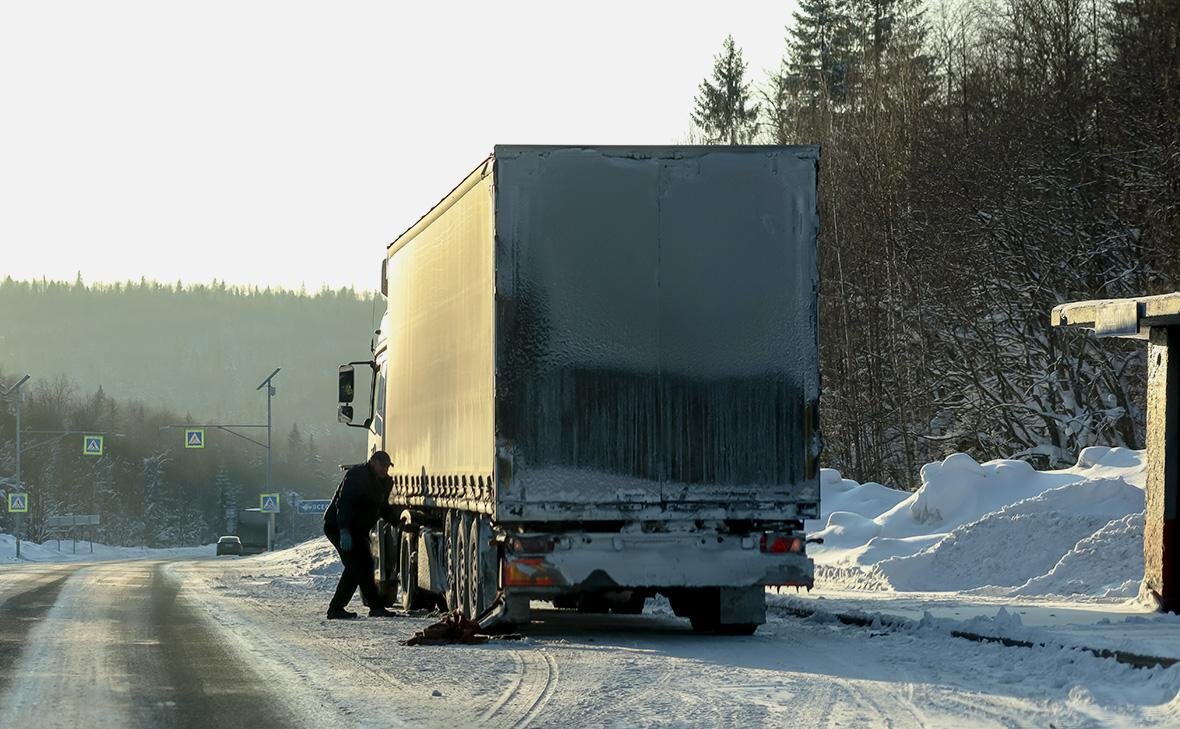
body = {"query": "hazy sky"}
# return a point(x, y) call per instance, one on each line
point(286, 143)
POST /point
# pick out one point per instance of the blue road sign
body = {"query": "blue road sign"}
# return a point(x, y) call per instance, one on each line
point(270, 504)
point(194, 438)
point(18, 503)
point(313, 506)
point(92, 445)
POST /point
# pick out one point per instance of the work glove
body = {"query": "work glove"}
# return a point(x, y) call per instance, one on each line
point(345, 540)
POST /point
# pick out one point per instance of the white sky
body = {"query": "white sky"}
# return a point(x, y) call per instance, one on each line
point(285, 143)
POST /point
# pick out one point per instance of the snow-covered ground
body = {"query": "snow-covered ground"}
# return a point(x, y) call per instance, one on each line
point(999, 549)
point(997, 528)
point(51, 552)
point(994, 549)
point(651, 670)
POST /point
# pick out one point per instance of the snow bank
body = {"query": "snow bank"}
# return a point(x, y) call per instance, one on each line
point(314, 558)
point(1109, 563)
point(48, 552)
point(1000, 527)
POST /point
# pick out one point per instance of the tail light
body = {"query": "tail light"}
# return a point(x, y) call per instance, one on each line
point(772, 543)
point(530, 572)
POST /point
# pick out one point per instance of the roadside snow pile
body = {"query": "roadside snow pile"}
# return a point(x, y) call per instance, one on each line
point(49, 552)
point(1108, 563)
point(314, 558)
point(998, 527)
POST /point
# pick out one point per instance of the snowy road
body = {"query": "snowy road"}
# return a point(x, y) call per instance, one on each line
point(220, 643)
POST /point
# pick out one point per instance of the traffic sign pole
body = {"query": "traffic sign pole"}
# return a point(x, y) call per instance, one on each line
point(17, 396)
point(20, 522)
point(270, 505)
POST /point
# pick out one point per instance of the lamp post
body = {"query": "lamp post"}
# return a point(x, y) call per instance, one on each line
point(270, 393)
point(14, 393)
point(232, 429)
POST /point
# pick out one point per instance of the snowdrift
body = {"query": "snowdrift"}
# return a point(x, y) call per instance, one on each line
point(999, 528)
point(315, 557)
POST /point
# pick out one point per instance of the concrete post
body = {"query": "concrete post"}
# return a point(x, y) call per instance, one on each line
point(1161, 534)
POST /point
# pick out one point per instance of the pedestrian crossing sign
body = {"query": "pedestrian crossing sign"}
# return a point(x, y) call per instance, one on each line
point(194, 438)
point(270, 504)
point(92, 445)
point(18, 503)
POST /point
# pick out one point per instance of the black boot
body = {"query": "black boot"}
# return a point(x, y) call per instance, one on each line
point(380, 612)
point(340, 614)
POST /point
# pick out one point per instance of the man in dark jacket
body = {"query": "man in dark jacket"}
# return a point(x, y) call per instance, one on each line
point(362, 497)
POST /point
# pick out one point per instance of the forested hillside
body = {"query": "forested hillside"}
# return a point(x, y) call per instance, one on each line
point(198, 350)
point(981, 163)
point(148, 488)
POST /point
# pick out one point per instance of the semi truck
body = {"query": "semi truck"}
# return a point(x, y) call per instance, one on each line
point(252, 530)
point(597, 376)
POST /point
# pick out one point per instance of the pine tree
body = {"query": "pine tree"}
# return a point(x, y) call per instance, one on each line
point(820, 42)
point(723, 108)
point(294, 442)
point(312, 458)
point(889, 37)
point(158, 503)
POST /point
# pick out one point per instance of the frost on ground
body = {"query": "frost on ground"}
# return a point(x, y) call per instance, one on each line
point(999, 527)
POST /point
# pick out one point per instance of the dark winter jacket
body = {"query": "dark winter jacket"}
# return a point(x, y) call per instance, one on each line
point(360, 499)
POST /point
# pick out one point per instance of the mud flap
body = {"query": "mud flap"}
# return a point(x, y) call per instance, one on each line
point(741, 605)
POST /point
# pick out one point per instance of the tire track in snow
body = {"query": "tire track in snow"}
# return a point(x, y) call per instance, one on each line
point(511, 691)
point(529, 693)
point(551, 677)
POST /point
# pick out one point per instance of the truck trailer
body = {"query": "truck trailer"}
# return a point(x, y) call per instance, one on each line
point(598, 379)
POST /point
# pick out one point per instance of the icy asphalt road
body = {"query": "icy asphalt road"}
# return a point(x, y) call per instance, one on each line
point(219, 643)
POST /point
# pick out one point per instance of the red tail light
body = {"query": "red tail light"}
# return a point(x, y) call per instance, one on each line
point(530, 572)
point(772, 543)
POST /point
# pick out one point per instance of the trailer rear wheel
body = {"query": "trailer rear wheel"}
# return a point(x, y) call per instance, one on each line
point(410, 596)
point(453, 557)
point(388, 563)
point(477, 593)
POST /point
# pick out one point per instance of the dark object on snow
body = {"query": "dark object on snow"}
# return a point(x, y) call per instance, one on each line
point(455, 627)
point(361, 498)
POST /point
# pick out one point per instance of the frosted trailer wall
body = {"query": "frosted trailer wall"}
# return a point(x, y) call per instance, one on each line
point(656, 330)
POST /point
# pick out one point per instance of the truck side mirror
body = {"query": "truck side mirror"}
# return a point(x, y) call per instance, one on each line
point(344, 414)
point(347, 386)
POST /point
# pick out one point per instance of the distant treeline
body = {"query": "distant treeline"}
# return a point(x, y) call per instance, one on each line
point(982, 162)
point(197, 350)
point(148, 488)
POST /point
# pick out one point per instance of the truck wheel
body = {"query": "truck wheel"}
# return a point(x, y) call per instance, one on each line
point(408, 571)
point(453, 557)
point(477, 592)
point(633, 605)
point(593, 602)
point(388, 563)
point(463, 565)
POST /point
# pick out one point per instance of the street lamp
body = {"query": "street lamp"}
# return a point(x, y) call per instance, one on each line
point(270, 392)
point(14, 393)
